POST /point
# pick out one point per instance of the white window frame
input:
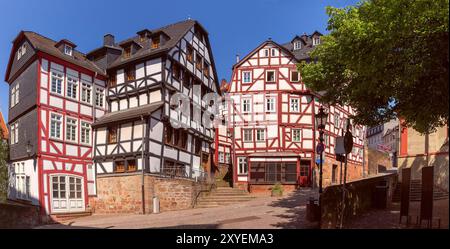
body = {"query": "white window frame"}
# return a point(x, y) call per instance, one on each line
point(316, 41)
point(85, 131)
point(266, 52)
point(296, 137)
point(221, 157)
point(249, 78)
point(336, 120)
point(260, 135)
point(274, 76)
point(246, 105)
point(242, 166)
point(99, 97)
point(86, 92)
point(244, 137)
point(21, 51)
point(270, 104)
point(15, 94)
point(68, 49)
point(71, 129)
point(72, 86)
point(298, 74)
point(273, 52)
point(59, 76)
point(227, 157)
point(59, 123)
point(22, 183)
point(297, 45)
point(295, 108)
point(14, 132)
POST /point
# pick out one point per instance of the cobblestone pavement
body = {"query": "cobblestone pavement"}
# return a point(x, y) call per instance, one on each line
point(262, 212)
point(389, 218)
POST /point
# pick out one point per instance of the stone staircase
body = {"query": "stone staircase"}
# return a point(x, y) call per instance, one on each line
point(222, 196)
point(415, 193)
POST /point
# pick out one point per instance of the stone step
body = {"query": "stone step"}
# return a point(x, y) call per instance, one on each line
point(215, 198)
point(69, 216)
point(201, 202)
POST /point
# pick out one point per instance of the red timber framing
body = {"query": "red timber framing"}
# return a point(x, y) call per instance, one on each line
point(280, 123)
point(54, 156)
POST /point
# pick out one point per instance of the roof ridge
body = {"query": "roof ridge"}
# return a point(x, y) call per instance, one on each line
point(50, 39)
point(176, 23)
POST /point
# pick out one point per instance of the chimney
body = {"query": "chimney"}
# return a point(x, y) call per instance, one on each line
point(237, 58)
point(108, 40)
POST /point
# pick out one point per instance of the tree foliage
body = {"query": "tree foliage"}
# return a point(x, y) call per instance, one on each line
point(386, 58)
point(3, 167)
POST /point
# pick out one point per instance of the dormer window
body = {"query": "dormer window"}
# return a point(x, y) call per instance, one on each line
point(316, 41)
point(155, 42)
point(21, 51)
point(297, 45)
point(127, 52)
point(68, 50)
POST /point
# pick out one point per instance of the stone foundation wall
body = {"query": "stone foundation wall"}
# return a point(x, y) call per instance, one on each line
point(122, 193)
point(354, 172)
point(14, 215)
point(266, 189)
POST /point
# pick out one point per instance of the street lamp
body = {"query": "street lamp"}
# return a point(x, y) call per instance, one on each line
point(321, 119)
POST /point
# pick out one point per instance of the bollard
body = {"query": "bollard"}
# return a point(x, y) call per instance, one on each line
point(155, 205)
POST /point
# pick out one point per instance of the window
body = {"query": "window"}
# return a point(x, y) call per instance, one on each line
point(119, 167)
point(72, 85)
point(198, 146)
point(130, 72)
point(270, 76)
point(186, 80)
point(55, 126)
point(242, 165)
point(68, 50)
point(273, 51)
point(14, 133)
point(326, 139)
point(248, 135)
point(334, 174)
point(221, 157)
point(71, 129)
point(21, 51)
point(295, 76)
point(176, 73)
point(131, 165)
point(295, 105)
point(75, 188)
point(85, 133)
point(112, 134)
point(205, 69)
point(15, 94)
point(99, 96)
point(270, 104)
point(316, 41)
point(296, 135)
point(297, 45)
point(190, 53)
point(127, 52)
point(246, 105)
point(112, 81)
point(86, 92)
point(227, 157)
point(266, 52)
point(336, 120)
point(56, 84)
point(22, 182)
point(260, 135)
point(198, 61)
point(246, 77)
point(184, 138)
point(155, 42)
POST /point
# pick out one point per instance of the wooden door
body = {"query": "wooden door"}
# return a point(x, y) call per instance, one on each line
point(305, 173)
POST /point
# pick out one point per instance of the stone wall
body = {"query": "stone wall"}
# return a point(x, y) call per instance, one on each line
point(354, 172)
point(360, 198)
point(15, 215)
point(375, 158)
point(122, 193)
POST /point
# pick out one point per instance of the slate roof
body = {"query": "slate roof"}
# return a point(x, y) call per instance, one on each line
point(126, 114)
point(303, 53)
point(174, 31)
point(47, 45)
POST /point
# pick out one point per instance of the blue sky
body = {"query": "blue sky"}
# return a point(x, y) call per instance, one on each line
point(234, 27)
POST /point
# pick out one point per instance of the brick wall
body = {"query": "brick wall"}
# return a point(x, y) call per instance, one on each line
point(14, 215)
point(122, 193)
point(266, 189)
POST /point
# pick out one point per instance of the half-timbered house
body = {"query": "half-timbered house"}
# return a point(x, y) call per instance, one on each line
point(272, 118)
point(55, 96)
point(152, 77)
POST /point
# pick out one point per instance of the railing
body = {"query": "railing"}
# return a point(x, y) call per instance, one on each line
point(186, 172)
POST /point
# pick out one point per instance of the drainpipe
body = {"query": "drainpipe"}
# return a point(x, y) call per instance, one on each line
point(143, 167)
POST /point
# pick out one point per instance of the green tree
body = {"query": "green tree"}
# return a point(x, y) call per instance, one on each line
point(386, 58)
point(3, 167)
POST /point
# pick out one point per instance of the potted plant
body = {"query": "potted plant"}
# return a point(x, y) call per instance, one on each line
point(277, 190)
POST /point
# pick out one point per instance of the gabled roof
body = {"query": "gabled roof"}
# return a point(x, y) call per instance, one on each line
point(48, 46)
point(174, 32)
point(65, 41)
point(303, 52)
